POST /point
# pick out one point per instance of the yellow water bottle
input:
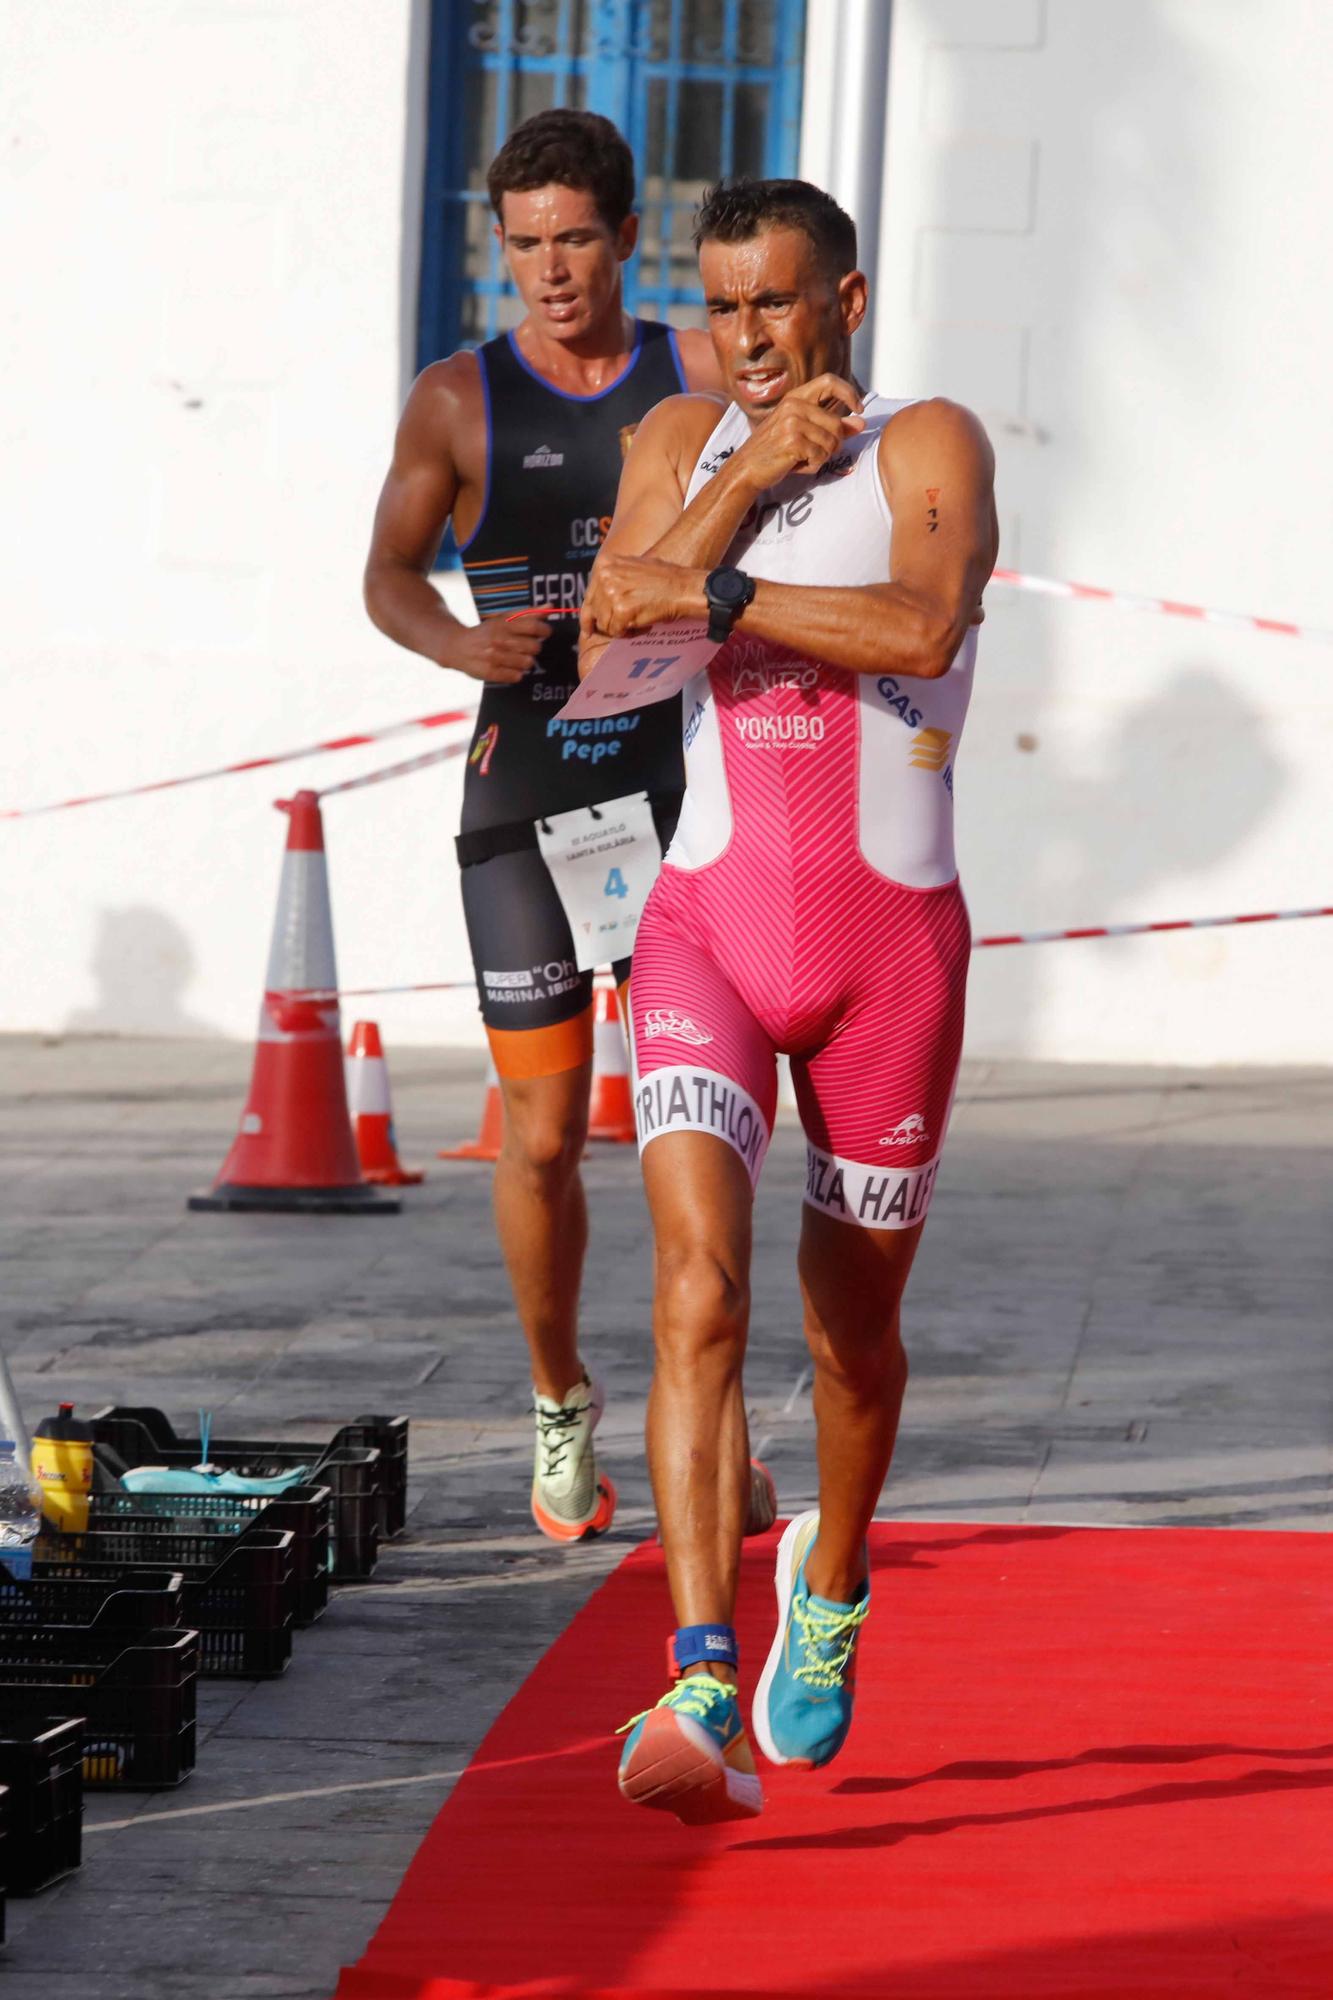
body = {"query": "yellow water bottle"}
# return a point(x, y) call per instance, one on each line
point(62, 1466)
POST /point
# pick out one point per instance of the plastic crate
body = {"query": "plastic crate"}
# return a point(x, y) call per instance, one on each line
point(306, 1510)
point(41, 1767)
point(136, 1695)
point(142, 1435)
point(107, 1603)
point(388, 1436)
point(238, 1591)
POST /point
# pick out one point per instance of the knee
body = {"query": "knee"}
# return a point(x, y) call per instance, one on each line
point(545, 1150)
point(703, 1305)
point(868, 1363)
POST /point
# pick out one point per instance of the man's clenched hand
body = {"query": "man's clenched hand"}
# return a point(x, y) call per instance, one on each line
point(499, 651)
point(630, 593)
point(802, 435)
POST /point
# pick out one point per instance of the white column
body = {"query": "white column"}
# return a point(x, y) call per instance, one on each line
point(843, 123)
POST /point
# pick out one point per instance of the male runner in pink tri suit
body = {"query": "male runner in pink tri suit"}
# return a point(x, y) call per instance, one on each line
point(809, 903)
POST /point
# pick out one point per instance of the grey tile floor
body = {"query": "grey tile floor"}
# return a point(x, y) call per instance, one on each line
point(1121, 1313)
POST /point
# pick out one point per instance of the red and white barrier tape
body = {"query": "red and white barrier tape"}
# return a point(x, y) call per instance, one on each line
point(440, 721)
point(425, 986)
point(978, 944)
point(1121, 600)
point(1011, 578)
point(1147, 930)
point(402, 770)
point(1015, 937)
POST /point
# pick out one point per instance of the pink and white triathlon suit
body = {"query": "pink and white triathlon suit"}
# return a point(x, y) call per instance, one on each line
point(809, 902)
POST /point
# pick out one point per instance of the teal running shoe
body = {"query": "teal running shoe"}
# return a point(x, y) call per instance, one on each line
point(803, 1706)
point(690, 1755)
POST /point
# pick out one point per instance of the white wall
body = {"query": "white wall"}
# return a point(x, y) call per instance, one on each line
point(1102, 229)
point(203, 212)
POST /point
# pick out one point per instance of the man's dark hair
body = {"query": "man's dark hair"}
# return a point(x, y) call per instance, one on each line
point(577, 149)
point(735, 210)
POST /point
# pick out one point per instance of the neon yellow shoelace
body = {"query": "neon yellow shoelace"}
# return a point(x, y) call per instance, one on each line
point(696, 1695)
point(821, 1631)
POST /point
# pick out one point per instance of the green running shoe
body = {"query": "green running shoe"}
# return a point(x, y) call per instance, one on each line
point(571, 1499)
point(803, 1706)
point(690, 1755)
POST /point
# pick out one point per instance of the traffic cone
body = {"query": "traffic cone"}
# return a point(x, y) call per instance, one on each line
point(371, 1107)
point(295, 1148)
point(486, 1145)
point(611, 1111)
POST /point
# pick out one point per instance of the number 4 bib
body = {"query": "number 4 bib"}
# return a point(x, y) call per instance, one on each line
point(603, 861)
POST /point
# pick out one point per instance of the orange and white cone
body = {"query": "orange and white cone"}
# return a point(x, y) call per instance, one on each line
point(295, 1148)
point(486, 1145)
point(611, 1112)
point(371, 1105)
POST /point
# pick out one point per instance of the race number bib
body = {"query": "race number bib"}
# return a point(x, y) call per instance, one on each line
point(645, 668)
point(603, 861)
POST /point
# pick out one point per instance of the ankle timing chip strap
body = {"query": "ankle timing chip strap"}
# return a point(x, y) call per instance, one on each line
point(702, 1645)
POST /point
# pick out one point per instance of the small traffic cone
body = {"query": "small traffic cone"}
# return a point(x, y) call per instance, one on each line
point(611, 1111)
point(295, 1148)
point(371, 1107)
point(486, 1145)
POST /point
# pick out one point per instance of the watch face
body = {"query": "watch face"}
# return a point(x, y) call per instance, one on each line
point(727, 586)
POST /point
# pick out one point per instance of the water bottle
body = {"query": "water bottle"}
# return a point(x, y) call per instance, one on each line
point(20, 1516)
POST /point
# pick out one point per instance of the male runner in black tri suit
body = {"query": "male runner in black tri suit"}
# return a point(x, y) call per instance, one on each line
point(520, 445)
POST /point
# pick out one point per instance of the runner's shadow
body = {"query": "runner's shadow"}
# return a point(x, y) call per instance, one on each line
point(904, 1554)
point(895, 1833)
point(1120, 1753)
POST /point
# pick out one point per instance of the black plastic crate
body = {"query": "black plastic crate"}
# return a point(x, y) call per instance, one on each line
point(239, 1591)
point(108, 1602)
point(353, 1472)
point(306, 1510)
point(388, 1436)
point(142, 1435)
point(136, 1695)
point(41, 1767)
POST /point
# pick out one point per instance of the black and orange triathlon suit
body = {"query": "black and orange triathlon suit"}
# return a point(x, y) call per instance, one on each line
point(552, 471)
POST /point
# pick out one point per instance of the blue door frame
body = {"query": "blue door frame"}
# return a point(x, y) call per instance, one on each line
point(700, 88)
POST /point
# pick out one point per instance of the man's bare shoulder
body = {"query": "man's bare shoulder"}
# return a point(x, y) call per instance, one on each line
point(935, 424)
point(678, 424)
point(449, 387)
point(445, 415)
point(697, 359)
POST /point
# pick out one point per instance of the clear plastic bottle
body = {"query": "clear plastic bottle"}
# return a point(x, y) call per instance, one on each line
point(20, 1516)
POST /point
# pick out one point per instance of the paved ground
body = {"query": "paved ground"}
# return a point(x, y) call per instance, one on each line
point(1121, 1313)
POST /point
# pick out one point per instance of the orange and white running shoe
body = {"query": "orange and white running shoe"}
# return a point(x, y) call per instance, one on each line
point(690, 1756)
point(571, 1500)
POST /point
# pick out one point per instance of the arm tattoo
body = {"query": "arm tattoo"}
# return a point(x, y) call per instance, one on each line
point(932, 509)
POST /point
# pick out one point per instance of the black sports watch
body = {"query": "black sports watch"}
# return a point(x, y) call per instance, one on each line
point(728, 592)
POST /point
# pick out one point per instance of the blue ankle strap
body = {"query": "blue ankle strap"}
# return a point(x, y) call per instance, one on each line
point(696, 1645)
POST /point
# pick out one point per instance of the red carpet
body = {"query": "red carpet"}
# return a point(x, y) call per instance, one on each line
point(1086, 1762)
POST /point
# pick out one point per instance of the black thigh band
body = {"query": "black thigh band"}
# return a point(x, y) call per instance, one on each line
point(486, 842)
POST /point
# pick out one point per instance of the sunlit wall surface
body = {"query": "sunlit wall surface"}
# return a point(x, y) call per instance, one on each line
point(1099, 226)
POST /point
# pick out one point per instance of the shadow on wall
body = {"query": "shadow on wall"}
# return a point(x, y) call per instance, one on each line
point(1177, 785)
point(142, 963)
point(1184, 781)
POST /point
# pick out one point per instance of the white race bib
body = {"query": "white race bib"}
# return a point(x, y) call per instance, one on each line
point(603, 860)
point(647, 667)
